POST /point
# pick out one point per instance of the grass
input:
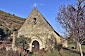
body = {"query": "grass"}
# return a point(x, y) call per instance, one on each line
point(56, 53)
point(83, 48)
point(65, 52)
point(73, 45)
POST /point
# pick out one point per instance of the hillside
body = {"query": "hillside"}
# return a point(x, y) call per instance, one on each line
point(10, 21)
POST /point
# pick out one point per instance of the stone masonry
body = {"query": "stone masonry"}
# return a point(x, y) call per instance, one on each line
point(37, 28)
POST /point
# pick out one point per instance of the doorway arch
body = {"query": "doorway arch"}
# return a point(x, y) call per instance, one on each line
point(35, 46)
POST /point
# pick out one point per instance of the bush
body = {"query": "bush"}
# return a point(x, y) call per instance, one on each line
point(23, 40)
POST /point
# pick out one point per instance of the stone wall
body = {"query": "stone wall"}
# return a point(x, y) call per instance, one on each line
point(37, 28)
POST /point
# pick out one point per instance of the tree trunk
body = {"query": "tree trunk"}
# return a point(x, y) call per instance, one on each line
point(77, 45)
point(80, 49)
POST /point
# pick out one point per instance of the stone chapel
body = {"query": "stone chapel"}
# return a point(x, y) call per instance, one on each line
point(40, 31)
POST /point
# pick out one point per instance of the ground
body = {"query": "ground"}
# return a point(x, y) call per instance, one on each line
point(65, 52)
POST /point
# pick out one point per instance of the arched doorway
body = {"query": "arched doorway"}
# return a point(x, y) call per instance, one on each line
point(35, 46)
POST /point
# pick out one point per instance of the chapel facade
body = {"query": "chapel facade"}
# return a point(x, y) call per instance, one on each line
point(40, 31)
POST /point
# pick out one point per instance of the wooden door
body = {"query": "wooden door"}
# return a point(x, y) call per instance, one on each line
point(35, 46)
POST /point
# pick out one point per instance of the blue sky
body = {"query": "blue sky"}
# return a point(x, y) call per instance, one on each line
point(48, 8)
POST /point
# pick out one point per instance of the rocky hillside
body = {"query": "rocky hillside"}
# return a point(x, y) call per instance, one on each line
point(10, 21)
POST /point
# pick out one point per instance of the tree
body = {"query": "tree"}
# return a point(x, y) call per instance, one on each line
point(6, 31)
point(13, 14)
point(50, 42)
point(72, 19)
point(2, 34)
point(23, 40)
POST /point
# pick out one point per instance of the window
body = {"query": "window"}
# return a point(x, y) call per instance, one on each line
point(34, 20)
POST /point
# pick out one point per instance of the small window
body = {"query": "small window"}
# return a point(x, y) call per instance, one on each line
point(34, 20)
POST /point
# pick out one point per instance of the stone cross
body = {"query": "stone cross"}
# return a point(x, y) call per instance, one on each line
point(35, 5)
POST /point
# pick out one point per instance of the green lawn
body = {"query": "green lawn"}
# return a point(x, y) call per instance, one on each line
point(55, 53)
point(83, 48)
point(73, 45)
point(65, 52)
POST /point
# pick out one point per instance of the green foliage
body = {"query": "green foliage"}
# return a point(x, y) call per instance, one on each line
point(13, 15)
point(70, 40)
point(7, 31)
point(2, 34)
point(23, 41)
point(50, 43)
point(13, 29)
